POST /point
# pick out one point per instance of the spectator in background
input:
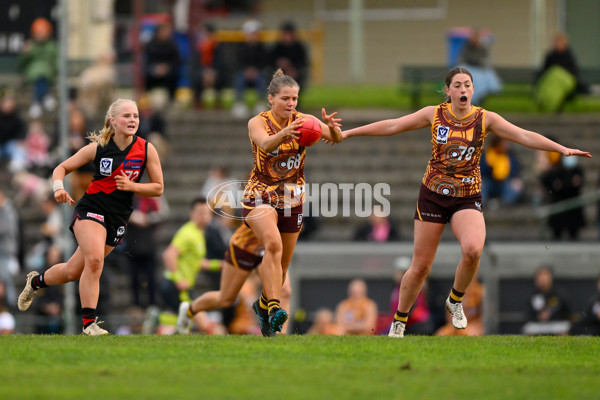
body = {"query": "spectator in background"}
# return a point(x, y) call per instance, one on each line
point(290, 55)
point(475, 56)
point(142, 241)
point(377, 229)
point(473, 308)
point(36, 148)
point(211, 188)
point(420, 321)
point(559, 79)
point(592, 315)
point(549, 312)
point(252, 58)
point(208, 67)
point(53, 235)
point(324, 324)
point(500, 173)
point(97, 83)
point(9, 246)
point(563, 181)
point(38, 62)
point(31, 165)
point(357, 314)
point(12, 127)
point(153, 126)
point(162, 61)
point(7, 321)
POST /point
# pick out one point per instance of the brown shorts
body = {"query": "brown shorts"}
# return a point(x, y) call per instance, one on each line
point(241, 258)
point(289, 219)
point(434, 207)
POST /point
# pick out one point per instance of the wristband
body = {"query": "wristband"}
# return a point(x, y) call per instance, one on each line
point(57, 185)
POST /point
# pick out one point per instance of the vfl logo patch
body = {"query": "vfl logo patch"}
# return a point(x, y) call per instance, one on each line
point(478, 205)
point(299, 219)
point(442, 134)
point(95, 216)
point(132, 164)
point(106, 166)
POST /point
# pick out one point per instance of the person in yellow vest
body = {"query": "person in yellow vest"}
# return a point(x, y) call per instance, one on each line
point(185, 256)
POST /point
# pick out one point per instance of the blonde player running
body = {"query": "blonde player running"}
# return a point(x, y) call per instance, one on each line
point(100, 217)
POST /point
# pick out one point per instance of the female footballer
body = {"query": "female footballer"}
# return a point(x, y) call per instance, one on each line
point(274, 196)
point(451, 188)
point(100, 217)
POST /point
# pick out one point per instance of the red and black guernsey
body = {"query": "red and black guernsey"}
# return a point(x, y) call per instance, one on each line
point(108, 163)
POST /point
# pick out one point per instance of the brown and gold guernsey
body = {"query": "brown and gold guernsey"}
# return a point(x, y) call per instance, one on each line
point(453, 169)
point(277, 177)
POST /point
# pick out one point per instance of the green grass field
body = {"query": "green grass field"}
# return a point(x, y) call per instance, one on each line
point(299, 367)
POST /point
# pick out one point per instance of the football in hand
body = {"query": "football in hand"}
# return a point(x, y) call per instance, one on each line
point(310, 132)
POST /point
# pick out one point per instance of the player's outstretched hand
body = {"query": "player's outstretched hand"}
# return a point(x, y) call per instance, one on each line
point(331, 122)
point(577, 152)
point(61, 196)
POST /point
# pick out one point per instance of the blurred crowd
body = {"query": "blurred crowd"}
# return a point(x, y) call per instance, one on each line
point(198, 71)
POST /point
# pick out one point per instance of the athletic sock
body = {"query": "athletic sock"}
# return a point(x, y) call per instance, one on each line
point(263, 302)
point(88, 316)
point(401, 316)
point(38, 282)
point(273, 303)
point(456, 296)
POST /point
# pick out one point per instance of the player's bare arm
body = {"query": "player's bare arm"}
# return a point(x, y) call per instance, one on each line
point(417, 120)
point(85, 155)
point(267, 142)
point(533, 140)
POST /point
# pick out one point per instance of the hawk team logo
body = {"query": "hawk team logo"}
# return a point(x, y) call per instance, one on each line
point(106, 166)
point(442, 134)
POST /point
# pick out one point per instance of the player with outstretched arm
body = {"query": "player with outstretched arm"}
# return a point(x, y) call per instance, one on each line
point(451, 188)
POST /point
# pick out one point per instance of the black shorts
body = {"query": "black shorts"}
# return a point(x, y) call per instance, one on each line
point(434, 207)
point(289, 220)
point(115, 226)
